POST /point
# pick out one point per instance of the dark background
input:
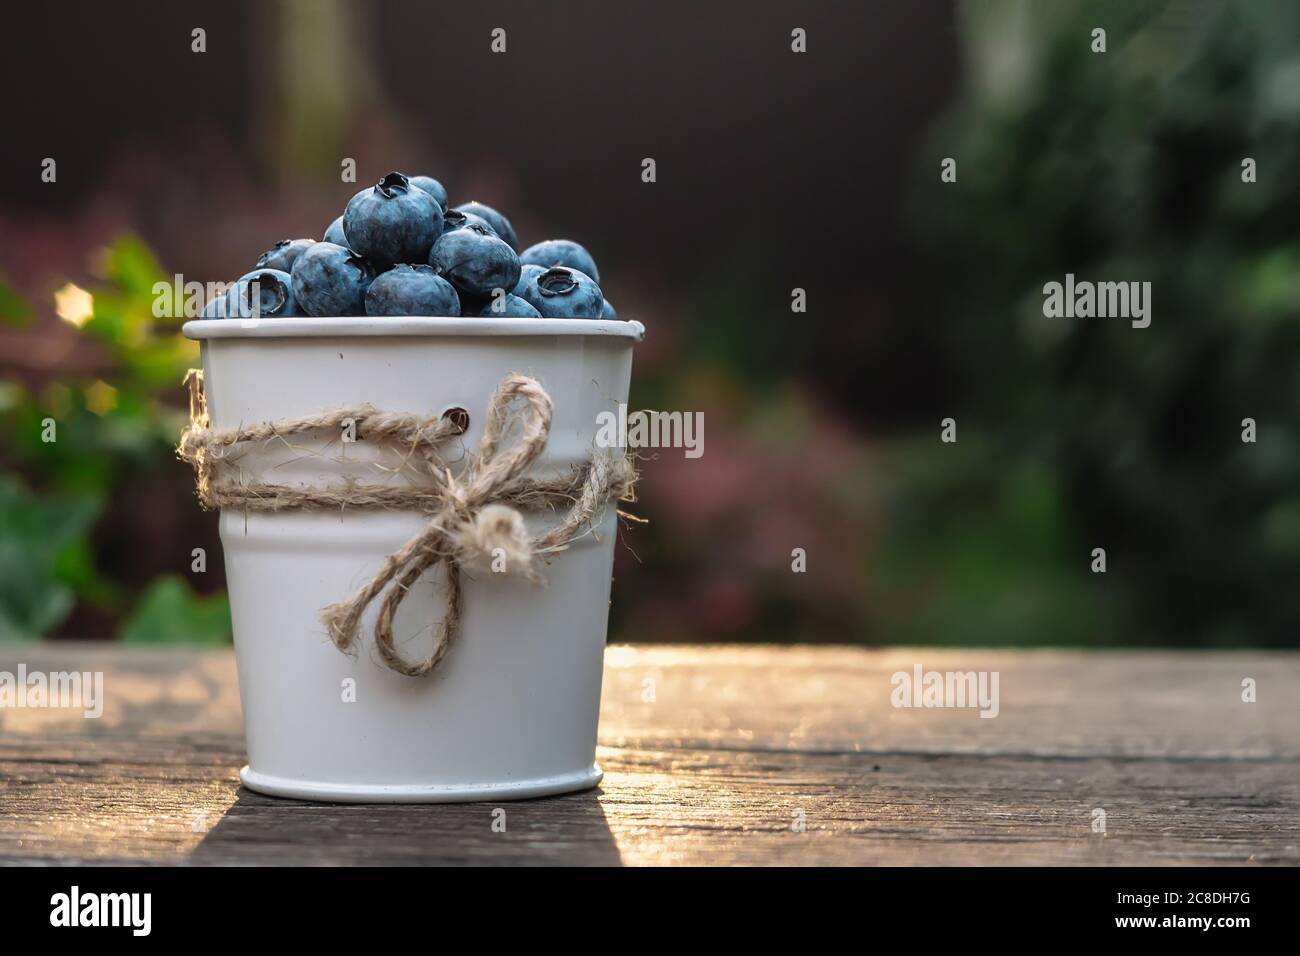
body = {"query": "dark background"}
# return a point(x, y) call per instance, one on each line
point(776, 170)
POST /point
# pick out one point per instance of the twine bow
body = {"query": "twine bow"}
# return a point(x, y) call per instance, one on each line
point(474, 520)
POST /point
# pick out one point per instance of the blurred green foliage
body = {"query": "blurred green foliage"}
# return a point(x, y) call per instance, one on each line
point(72, 444)
point(170, 612)
point(1072, 434)
point(1124, 165)
point(13, 310)
point(44, 556)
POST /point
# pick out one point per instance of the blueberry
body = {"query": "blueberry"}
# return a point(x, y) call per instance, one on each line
point(330, 279)
point(607, 310)
point(563, 293)
point(411, 290)
point(526, 274)
point(508, 306)
point(215, 308)
point(454, 219)
point(393, 221)
point(335, 233)
point(471, 304)
point(263, 293)
point(500, 224)
point(434, 188)
point(561, 252)
point(283, 254)
point(475, 261)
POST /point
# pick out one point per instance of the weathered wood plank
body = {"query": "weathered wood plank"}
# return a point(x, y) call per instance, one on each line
point(735, 746)
point(164, 803)
point(1070, 703)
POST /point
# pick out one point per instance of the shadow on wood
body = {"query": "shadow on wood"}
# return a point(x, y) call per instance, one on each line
point(737, 745)
point(256, 829)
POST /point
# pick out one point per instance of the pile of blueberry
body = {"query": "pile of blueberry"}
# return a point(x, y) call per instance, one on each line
point(398, 250)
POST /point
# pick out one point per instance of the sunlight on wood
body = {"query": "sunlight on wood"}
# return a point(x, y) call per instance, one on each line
point(712, 755)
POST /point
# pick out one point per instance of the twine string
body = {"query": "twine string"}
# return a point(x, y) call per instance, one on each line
point(473, 519)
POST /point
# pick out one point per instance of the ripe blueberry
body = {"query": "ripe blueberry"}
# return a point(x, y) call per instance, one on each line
point(508, 306)
point(454, 219)
point(335, 233)
point(215, 308)
point(561, 252)
point(283, 254)
point(607, 310)
point(563, 293)
point(263, 293)
point(499, 223)
point(393, 221)
point(475, 261)
point(411, 290)
point(526, 274)
point(329, 279)
point(431, 186)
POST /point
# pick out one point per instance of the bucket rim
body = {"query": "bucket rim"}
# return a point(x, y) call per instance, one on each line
point(310, 327)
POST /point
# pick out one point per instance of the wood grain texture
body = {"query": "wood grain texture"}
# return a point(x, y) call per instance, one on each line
point(735, 746)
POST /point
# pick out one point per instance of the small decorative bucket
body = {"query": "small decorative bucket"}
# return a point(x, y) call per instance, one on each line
point(382, 655)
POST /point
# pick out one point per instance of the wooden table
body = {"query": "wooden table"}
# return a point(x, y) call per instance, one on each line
point(737, 747)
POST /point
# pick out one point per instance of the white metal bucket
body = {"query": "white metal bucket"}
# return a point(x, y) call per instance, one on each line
point(511, 711)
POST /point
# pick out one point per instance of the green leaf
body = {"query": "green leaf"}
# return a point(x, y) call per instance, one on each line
point(14, 310)
point(170, 613)
point(37, 537)
point(130, 265)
